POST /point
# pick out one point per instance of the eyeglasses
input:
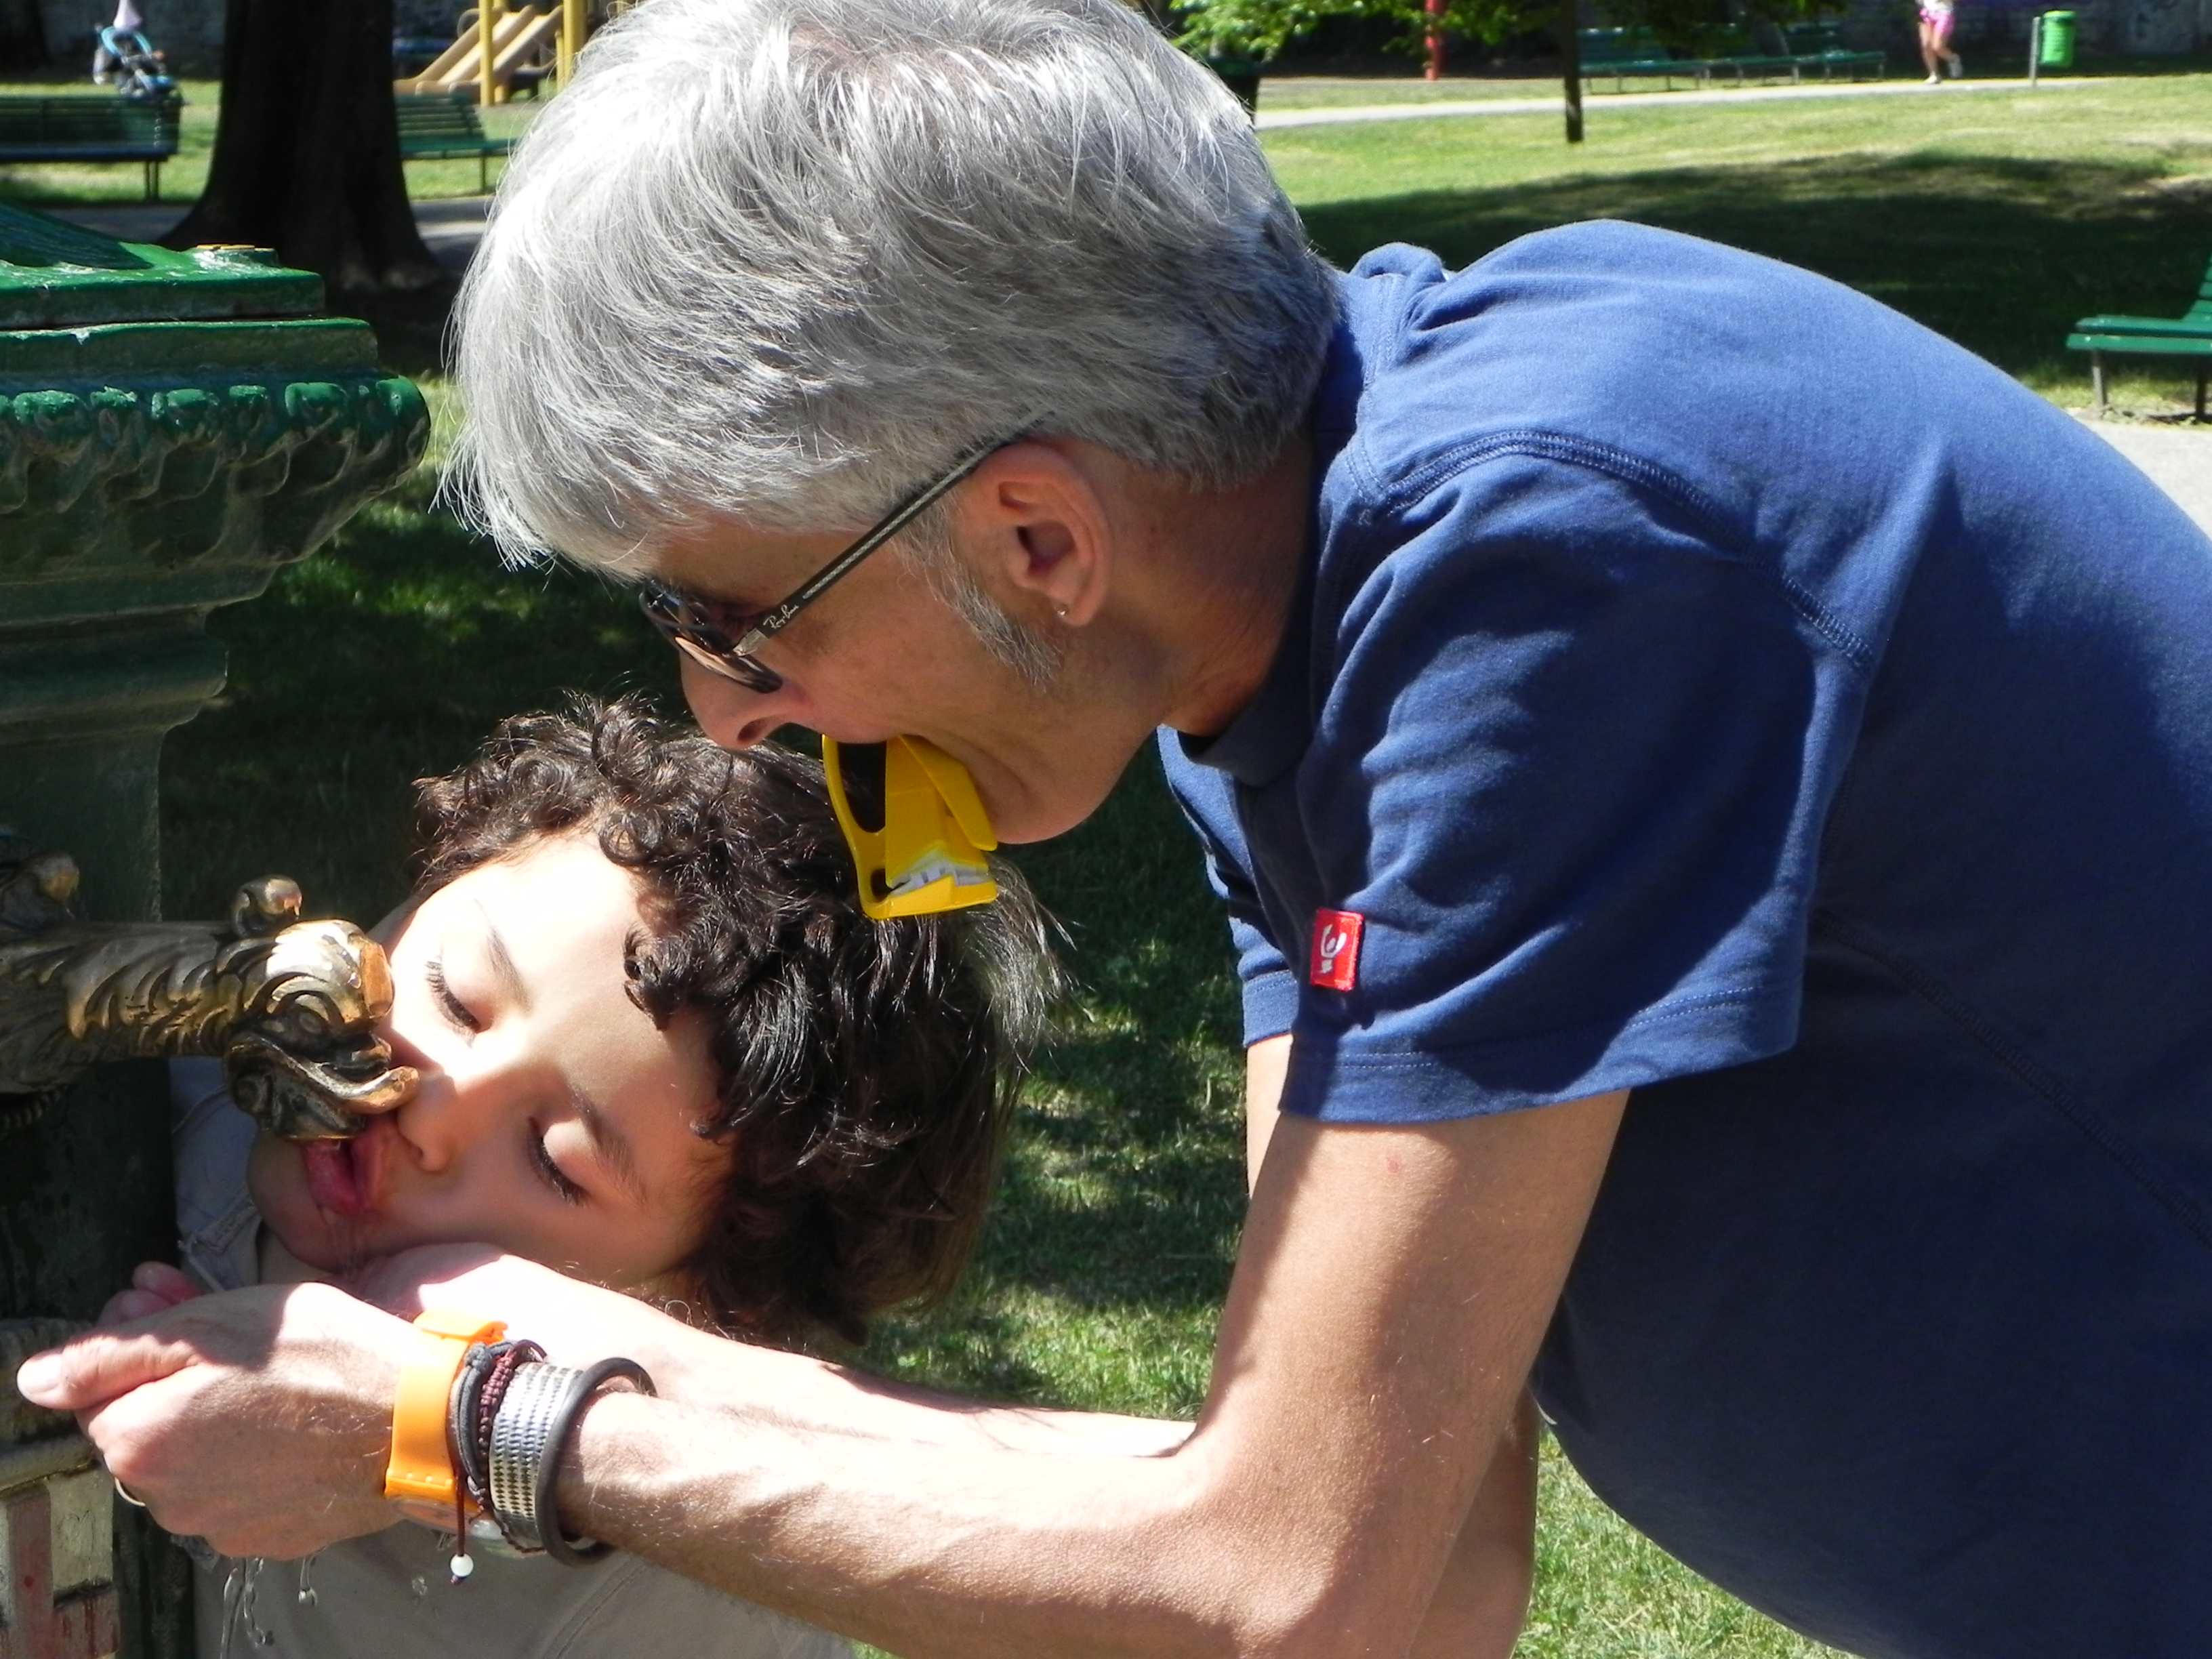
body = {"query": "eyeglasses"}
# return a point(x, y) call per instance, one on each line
point(694, 627)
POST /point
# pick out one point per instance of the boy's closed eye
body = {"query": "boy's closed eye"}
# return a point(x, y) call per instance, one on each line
point(456, 1012)
point(541, 1159)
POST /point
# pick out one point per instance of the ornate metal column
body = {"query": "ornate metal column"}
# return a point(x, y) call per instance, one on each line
point(173, 428)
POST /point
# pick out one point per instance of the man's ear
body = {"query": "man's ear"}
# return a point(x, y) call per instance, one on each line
point(1034, 521)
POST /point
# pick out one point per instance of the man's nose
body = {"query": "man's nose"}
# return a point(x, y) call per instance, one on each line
point(732, 716)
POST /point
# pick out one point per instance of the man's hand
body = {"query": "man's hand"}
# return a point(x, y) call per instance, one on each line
point(260, 1419)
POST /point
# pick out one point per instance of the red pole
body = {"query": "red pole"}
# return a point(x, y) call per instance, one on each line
point(1436, 70)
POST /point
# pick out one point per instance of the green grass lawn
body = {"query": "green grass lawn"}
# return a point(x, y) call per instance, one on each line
point(1296, 91)
point(1994, 218)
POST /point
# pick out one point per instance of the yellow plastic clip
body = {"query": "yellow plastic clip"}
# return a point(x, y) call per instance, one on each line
point(922, 850)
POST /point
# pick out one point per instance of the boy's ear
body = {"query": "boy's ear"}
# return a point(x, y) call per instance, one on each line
point(1034, 523)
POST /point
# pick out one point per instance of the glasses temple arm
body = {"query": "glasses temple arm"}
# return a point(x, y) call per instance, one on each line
point(774, 622)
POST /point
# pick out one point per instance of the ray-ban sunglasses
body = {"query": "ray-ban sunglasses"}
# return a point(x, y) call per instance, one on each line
point(698, 627)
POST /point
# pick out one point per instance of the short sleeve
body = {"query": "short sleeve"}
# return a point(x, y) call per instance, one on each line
point(1270, 994)
point(1570, 765)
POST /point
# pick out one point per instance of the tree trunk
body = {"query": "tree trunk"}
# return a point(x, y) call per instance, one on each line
point(307, 149)
point(1571, 66)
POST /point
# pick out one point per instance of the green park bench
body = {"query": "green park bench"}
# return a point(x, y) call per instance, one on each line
point(1736, 52)
point(436, 125)
point(1821, 46)
point(2188, 336)
point(1626, 52)
point(91, 129)
point(1621, 52)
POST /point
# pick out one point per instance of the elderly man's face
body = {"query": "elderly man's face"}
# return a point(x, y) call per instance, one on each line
point(882, 655)
point(1161, 605)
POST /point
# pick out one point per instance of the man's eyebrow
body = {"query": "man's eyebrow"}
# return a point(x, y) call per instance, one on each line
point(502, 960)
point(612, 1143)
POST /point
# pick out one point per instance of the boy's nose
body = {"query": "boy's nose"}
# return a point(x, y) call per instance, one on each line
point(450, 1113)
point(429, 1124)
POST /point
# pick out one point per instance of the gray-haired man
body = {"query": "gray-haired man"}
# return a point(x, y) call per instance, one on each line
point(1625, 665)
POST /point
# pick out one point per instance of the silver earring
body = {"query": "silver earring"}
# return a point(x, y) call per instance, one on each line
point(1060, 611)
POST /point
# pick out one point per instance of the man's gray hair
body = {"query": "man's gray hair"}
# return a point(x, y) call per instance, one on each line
point(779, 261)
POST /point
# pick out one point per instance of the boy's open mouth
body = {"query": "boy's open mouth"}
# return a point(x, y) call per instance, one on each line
point(342, 1174)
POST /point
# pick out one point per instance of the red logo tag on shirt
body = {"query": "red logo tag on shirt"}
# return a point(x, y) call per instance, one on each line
point(1335, 965)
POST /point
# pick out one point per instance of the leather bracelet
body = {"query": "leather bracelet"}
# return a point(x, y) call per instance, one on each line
point(419, 1474)
point(533, 1424)
point(478, 1389)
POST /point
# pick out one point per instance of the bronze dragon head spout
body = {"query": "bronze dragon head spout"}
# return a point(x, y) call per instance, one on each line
point(302, 1051)
point(291, 1007)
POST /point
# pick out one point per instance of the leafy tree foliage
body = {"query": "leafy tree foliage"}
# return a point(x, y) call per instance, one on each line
point(1258, 29)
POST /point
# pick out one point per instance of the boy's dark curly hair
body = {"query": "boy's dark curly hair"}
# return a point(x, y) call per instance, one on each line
point(865, 1068)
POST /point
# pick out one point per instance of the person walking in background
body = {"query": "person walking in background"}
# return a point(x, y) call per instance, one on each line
point(1937, 18)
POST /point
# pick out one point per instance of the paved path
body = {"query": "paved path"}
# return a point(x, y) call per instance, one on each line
point(1604, 104)
point(2177, 458)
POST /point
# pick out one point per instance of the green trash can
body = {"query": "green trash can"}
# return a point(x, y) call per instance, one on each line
point(173, 427)
point(2054, 47)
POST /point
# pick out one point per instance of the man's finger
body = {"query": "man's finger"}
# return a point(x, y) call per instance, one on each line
point(97, 1367)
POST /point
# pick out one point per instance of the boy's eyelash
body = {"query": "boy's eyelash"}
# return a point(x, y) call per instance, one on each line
point(569, 1191)
point(434, 972)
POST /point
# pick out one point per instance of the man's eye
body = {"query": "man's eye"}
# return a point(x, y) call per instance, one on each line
point(569, 1191)
point(450, 1006)
point(732, 619)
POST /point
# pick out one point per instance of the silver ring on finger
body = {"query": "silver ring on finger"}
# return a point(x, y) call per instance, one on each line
point(127, 1495)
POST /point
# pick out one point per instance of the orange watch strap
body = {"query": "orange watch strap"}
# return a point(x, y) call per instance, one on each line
point(422, 1466)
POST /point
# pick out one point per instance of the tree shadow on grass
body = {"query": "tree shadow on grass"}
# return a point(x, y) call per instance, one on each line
point(388, 655)
point(1999, 255)
point(1117, 1215)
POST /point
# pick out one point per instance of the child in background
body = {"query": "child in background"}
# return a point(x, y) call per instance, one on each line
point(1937, 19)
point(661, 1048)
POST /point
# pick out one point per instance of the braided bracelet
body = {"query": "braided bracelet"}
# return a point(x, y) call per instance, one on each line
point(477, 1389)
point(531, 1423)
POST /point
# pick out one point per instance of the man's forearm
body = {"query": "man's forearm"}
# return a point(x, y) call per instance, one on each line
point(940, 1549)
point(811, 1396)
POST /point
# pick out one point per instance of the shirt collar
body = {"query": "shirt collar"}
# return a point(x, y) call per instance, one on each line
point(1267, 738)
point(1272, 731)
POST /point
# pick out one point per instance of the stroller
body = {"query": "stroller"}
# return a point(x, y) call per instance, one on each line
point(126, 60)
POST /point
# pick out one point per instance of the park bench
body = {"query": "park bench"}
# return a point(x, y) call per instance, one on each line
point(437, 125)
point(91, 129)
point(1623, 52)
point(1821, 46)
point(2188, 336)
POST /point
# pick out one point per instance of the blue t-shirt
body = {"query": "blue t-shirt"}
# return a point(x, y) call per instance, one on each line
point(1708, 683)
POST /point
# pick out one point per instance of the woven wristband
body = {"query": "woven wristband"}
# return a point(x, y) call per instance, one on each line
point(419, 1476)
point(535, 1420)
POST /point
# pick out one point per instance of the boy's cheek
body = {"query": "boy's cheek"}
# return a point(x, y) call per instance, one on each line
point(265, 1177)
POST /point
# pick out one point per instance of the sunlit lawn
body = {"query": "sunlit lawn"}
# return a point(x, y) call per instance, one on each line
point(1993, 217)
